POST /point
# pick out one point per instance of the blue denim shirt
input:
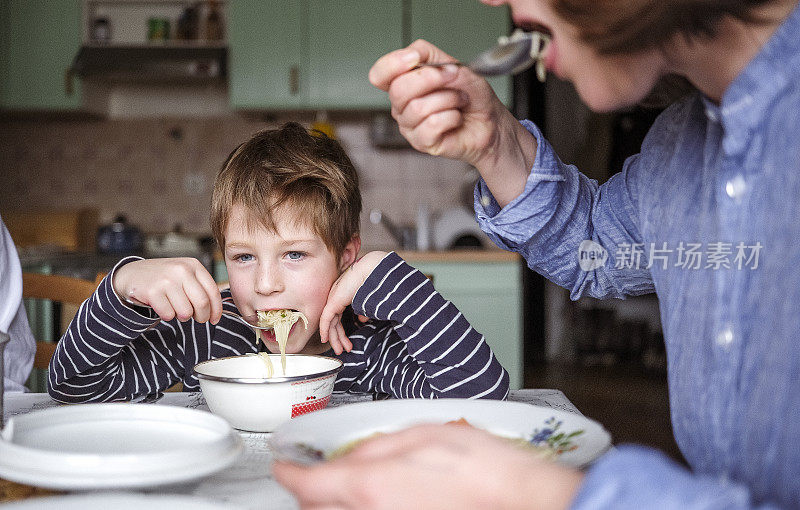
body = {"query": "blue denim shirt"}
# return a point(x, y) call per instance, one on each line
point(707, 215)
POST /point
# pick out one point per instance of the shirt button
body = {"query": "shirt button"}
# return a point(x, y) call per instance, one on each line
point(485, 201)
point(725, 337)
point(736, 187)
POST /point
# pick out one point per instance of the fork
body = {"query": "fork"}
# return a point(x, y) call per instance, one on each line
point(248, 320)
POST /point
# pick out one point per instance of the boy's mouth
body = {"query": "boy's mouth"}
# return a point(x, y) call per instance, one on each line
point(268, 335)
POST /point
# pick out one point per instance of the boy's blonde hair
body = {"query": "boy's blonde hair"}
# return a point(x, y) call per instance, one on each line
point(290, 166)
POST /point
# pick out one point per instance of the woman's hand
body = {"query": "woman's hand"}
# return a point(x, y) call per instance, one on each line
point(341, 296)
point(432, 466)
point(452, 112)
point(172, 287)
point(445, 111)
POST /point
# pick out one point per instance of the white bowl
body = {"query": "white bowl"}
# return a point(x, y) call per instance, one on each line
point(235, 388)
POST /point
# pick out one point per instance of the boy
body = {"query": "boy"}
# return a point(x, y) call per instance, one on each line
point(285, 211)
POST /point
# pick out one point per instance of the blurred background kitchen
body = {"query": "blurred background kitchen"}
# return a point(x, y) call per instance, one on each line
point(115, 116)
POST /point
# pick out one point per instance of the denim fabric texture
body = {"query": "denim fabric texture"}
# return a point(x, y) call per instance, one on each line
point(707, 215)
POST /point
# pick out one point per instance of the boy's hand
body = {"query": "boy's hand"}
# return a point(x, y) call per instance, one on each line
point(341, 296)
point(174, 287)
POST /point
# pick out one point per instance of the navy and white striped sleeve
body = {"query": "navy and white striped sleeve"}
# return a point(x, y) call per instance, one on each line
point(95, 360)
point(438, 353)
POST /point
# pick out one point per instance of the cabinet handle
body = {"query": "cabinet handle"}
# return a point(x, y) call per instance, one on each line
point(68, 76)
point(294, 80)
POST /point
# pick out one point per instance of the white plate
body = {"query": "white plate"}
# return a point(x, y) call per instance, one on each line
point(102, 446)
point(116, 501)
point(329, 429)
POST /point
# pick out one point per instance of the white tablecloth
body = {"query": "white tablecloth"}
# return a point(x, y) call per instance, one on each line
point(248, 483)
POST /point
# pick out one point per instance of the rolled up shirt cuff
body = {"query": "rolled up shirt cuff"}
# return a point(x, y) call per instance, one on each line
point(502, 224)
point(634, 477)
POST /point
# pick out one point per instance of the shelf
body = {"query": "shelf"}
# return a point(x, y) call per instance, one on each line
point(128, 20)
point(152, 62)
point(193, 44)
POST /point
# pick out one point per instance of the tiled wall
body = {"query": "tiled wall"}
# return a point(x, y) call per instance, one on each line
point(159, 172)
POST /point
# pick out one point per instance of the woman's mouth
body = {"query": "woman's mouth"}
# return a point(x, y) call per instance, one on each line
point(547, 47)
point(550, 57)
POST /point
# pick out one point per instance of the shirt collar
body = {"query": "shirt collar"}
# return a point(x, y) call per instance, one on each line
point(746, 102)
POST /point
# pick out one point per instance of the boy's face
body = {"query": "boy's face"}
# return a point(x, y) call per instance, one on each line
point(291, 268)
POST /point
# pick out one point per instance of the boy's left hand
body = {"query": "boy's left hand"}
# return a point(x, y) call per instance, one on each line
point(341, 296)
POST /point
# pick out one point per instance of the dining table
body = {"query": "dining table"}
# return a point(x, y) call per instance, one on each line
point(246, 484)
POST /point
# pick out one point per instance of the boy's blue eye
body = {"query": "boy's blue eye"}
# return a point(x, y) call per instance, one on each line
point(295, 255)
point(244, 257)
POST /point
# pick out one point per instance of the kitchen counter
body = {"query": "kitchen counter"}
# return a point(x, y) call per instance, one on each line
point(476, 256)
point(84, 265)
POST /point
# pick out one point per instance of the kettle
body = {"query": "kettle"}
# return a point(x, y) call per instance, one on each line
point(119, 237)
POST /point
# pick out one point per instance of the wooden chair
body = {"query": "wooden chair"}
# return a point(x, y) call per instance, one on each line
point(56, 288)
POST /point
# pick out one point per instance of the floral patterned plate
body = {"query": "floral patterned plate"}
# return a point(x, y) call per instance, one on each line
point(574, 439)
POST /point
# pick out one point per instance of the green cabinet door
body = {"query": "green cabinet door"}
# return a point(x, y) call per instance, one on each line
point(268, 53)
point(345, 38)
point(39, 39)
point(490, 297)
point(309, 53)
point(463, 29)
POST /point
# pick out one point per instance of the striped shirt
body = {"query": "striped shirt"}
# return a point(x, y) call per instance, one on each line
point(417, 344)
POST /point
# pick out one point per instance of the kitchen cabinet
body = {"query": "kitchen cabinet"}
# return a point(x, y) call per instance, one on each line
point(485, 285)
point(268, 53)
point(462, 29)
point(316, 54)
point(489, 294)
point(309, 54)
point(345, 39)
point(39, 39)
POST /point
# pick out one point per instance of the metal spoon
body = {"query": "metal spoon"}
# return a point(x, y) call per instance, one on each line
point(249, 320)
point(512, 54)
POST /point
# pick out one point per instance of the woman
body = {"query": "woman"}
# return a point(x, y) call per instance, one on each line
point(706, 216)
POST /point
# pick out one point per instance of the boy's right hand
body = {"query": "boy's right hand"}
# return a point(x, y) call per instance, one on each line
point(173, 287)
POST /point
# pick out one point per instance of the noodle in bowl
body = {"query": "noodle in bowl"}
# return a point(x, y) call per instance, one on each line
point(236, 388)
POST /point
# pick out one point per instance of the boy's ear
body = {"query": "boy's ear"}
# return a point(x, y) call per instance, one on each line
point(350, 252)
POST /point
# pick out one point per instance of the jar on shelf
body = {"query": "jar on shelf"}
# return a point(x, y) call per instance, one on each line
point(101, 30)
point(214, 27)
point(157, 29)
